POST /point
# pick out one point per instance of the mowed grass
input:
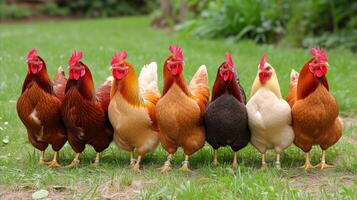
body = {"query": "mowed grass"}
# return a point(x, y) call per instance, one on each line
point(99, 39)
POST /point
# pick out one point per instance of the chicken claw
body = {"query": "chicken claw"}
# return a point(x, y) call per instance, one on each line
point(167, 165)
point(96, 160)
point(184, 166)
point(323, 164)
point(54, 163)
point(41, 160)
point(277, 162)
point(136, 166)
point(74, 163)
point(132, 159)
point(307, 164)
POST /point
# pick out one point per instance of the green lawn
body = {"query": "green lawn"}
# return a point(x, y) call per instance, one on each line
point(99, 39)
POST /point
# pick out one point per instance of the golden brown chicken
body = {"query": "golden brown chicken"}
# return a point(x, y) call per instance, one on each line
point(180, 110)
point(314, 109)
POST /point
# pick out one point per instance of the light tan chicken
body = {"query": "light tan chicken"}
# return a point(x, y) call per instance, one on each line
point(132, 108)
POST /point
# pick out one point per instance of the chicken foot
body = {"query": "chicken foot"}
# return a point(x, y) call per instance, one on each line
point(307, 164)
point(54, 163)
point(184, 166)
point(235, 163)
point(323, 164)
point(75, 161)
point(41, 160)
point(167, 165)
point(136, 166)
point(215, 157)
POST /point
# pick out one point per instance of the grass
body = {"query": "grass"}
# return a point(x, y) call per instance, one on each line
point(99, 39)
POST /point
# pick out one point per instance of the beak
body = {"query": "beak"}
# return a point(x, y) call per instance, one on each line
point(327, 65)
point(110, 68)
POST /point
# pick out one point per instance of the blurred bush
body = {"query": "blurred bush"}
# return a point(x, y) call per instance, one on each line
point(306, 23)
point(74, 8)
point(259, 20)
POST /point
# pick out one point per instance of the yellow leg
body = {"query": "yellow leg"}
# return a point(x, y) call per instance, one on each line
point(264, 164)
point(277, 162)
point(307, 164)
point(75, 161)
point(184, 166)
point(136, 166)
point(167, 165)
point(323, 164)
point(132, 159)
point(235, 163)
point(54, 163)
point(96, 160)
point(41, 160)
point(215, 157)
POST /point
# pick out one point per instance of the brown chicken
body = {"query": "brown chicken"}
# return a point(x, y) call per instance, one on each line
point(180, 110)
point(132, 107)
point(314, 109)
point(39, 108)
point(84, 112)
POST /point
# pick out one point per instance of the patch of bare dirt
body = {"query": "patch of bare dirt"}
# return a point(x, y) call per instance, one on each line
point(314, 181)
point(116, 190)
point(23, 194)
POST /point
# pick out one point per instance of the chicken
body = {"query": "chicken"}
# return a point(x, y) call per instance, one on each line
point(314, 109)
point(179, 111)
point(226, 117)
point(84, 112)
point(132, 108)
point(269, 116)
point(39, 108)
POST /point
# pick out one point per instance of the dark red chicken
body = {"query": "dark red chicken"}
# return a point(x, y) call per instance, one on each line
point(84, 112)
point(226, 118)
point(39, 108)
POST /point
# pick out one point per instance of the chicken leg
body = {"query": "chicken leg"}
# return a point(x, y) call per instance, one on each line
point(54, 163)
point(234, 163)
point(96, 160)
point(264, 164)
point(41, 160)
point(323, 164)
point(167, 165)
point(136, 166)
point(215, 157)
point(277, 162)
point(307, 164)
point(184, 166)
point(75, 161)
point(132, 159)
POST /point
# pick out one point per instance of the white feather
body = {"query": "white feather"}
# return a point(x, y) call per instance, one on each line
point(148, 78)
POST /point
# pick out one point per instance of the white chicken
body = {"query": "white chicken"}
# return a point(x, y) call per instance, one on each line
point(269, 116)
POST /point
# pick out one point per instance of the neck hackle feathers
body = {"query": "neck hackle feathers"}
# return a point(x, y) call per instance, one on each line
point(32, 54)
point(75, 58)
point(119, 57)
point(263, 60)
point(176, 52)
point(319, 54)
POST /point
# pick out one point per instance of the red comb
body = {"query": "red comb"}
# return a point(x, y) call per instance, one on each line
point(319, 54)
point(31, 54)
point(176, 52)
point(120, 56)
point(229, 60)
point(263, 60)
point(75, 58)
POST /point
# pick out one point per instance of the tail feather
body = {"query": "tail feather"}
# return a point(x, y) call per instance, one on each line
point(148, 79)
point(199, 87)
point(59, 83)
point(292, 94)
